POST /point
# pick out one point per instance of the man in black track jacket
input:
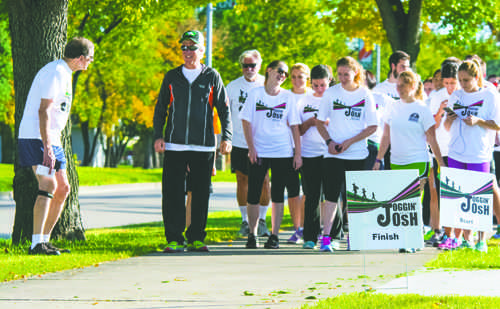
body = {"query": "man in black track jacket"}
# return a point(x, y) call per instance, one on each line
point(187, 97)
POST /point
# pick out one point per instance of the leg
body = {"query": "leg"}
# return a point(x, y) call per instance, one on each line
point(256, 177)
point(276, 217)
point(57, 203)
point(311, 183)
point(41, 207)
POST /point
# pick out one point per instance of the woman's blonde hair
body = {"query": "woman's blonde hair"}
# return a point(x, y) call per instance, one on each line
point(351, 63)
point(473, 68)
point(408, 77)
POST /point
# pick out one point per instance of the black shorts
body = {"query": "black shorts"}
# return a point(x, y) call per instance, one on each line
point(282, 175)
point(239, 160)
point(31, 153)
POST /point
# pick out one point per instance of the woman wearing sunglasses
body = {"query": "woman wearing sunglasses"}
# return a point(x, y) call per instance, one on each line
point(350, 109)
point(267, 117)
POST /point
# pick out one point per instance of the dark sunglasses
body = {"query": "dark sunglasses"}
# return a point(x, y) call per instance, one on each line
point(249, 65)
point(282, 72)
point(192, 47)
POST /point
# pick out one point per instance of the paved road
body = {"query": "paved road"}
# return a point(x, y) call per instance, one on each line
point(116, 205)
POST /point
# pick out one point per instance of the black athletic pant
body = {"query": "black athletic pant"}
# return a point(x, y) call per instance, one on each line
point(173, 198)
point(311, 184)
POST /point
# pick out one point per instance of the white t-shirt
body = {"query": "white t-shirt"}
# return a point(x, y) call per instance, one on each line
point(237, 91)
point(387, 88)
point(381, 102)
point(350, 112)
point(408, 123)
point(473, 144)
point(442, 136)
point(53, 81)
point(312, 144)
point(270, 117)
point(298, 97)
point(191, 74)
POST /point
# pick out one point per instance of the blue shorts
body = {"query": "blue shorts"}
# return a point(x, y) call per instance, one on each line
point(31, 153)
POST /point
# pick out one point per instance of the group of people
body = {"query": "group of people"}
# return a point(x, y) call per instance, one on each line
point(305, 136)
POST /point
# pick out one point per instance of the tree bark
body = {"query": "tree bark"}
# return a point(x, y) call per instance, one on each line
point(402, 28)
point(7, 143)
point(38, 33)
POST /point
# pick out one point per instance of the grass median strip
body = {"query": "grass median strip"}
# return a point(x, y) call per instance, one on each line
point(109, 244)
point(383, 301)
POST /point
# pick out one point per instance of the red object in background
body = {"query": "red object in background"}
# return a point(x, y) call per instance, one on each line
point(363, 53)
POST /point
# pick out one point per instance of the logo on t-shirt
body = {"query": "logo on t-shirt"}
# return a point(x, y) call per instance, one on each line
point(414, 117)
point(273, 113)
point(465, 111)
point(311, 109)
point(353, 111)
point(242, 98)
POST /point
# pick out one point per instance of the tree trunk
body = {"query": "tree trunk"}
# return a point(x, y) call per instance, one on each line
point(38, 32)
point(7, 143)
point(402, 28)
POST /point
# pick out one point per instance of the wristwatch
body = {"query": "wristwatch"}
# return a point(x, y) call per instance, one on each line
point(328, 141)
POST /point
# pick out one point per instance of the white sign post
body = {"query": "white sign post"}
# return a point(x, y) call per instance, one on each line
point(384, 209)
point(466, 199)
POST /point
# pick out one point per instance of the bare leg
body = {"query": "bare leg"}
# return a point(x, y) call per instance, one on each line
point(253, 217)
point(294, 207)
point(188, 208)
point(434, 203)
point(57, 203)
point(328, 214)
point(241, 188)
point(42, 203)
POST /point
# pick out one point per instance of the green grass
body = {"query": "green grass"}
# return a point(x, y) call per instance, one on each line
point(97, 176)
point(469, 259)
point(109, 244)
point(382, 301)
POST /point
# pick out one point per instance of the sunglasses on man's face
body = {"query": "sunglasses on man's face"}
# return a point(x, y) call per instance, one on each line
point(249, 65)
point(282, 72)
point(192, 47)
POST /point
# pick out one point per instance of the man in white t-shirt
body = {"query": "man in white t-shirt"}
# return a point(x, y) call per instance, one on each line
point(45, 115)
point(237, 90)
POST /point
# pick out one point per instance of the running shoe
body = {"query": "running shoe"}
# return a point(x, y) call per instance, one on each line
point(326, 244)
point(198, 246)
point(297, 237)
point(455, 243)
point(428, 235)
point(445, 242)
point(465, 245)
point(262, 228)
point(497, 235)
point(309, 245)
point(435, 239)
point(272, 242)
point(481, 246)
point(52, 247)
point(252, 242)
point(173, 247)
point(244, 228)
point(407, 250)
point(42, 249)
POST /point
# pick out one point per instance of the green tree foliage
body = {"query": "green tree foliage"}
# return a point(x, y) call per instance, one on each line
point(6, 79)
point(291, 30)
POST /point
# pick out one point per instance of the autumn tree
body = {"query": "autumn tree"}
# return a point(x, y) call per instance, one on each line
point(7, 103)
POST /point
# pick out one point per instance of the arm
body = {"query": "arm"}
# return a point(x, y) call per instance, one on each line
point(430, 135)
point(324, 134)
point(440, 113)
point(362, 135)
point(485, 124)
point(44, 116)
point(303, 127)
point(384, 144)
point(247, 130)
point(297, 157)
point(221, 102)
point(450, 117)
point(160, 115)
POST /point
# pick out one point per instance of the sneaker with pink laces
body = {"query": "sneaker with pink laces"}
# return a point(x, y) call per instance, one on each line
point(446, 243)
point(455, 243)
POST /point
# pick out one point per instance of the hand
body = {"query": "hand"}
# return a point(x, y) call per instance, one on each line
point(345, 145)
point(49, 159)
point(225, 147)
point(376, 166)
point(442, 106)
point(451, 116)
point(160, 145)
point(297, 162)
point(252, 155)
point(334, 148)
point(471, 120)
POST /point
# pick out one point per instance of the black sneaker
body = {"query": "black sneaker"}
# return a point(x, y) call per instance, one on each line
point(42, 249)
point(272, 242)
point(52, 247)
point(252, 242)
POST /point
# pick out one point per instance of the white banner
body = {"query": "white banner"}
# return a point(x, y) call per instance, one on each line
point(384, 209)
point(466, 199)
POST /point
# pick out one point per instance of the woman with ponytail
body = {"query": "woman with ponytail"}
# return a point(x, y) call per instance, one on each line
point(350, 109)
point(472, 128)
